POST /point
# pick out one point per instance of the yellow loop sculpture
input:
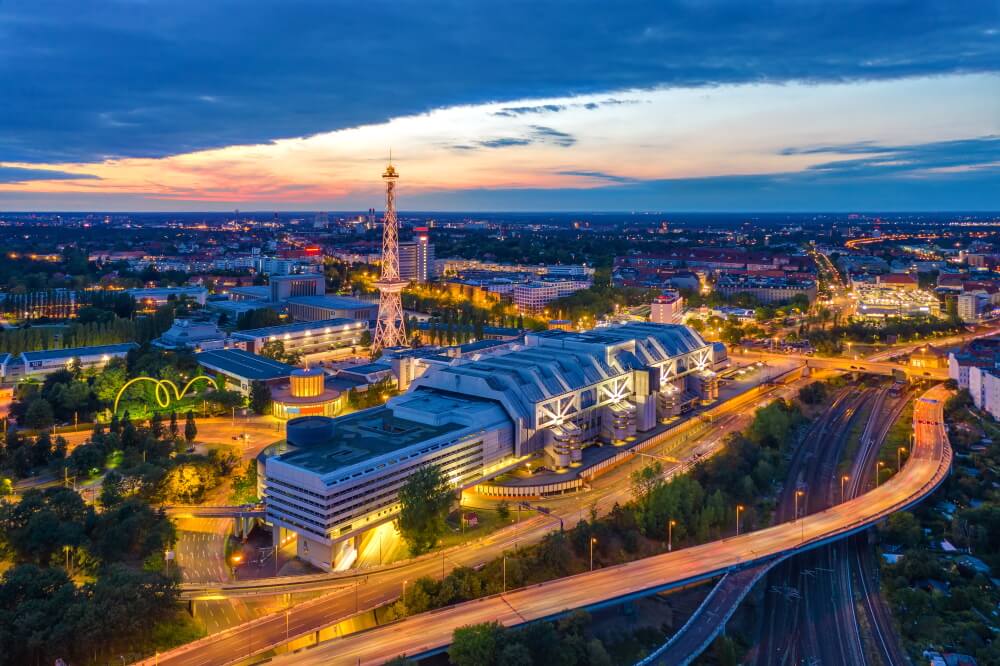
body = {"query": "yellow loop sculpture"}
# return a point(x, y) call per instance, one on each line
point(162, 399)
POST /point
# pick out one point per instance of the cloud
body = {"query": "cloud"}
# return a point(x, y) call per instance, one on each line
point(514, 111)
point(9, 174)
point(971, 153)
point(536, 134)
point(598, 175)
point(163, 77)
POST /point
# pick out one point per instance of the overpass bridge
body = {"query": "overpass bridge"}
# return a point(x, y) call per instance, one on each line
point(887, 368)
point(429, 633)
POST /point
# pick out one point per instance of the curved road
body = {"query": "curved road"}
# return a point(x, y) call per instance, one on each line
point(431, 632)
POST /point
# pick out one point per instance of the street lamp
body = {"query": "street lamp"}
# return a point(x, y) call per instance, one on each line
point(878, 472)
point(235, 560)
point(593, 540)
point(899, 457)
point(739, 507)
point(798, 494)
point(670, 535)
point(843, 480)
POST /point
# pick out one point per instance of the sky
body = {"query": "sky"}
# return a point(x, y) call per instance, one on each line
point(671, 105)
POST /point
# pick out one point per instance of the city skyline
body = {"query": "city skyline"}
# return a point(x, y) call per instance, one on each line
point(666, 107)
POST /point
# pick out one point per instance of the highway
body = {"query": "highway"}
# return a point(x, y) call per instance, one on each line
point(851, 365)
point(429, 632)
point(379, 585)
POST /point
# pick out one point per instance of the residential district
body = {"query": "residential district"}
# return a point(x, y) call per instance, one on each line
point(245, 437)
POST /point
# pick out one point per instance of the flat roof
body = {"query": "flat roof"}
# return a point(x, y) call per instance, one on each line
point(73, 352)
point(155, 291)
point(362, 435)
point(298, 327)
point(241, 363)
point(375, 432)
point(332, 302)
point(256, 292)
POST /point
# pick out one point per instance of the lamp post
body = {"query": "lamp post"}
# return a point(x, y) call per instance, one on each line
point(593, 540)
point(504, 588)
point(843, 480)
point(899, 458)
point(403, 598)
point(739, 507)
point(878, 472)
point(798, 494)
point(670, 535)
point(286, 625)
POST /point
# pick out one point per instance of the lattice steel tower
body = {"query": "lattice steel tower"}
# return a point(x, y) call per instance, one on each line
point(389, 331)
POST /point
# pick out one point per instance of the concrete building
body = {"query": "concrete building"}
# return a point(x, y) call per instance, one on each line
point(315, 308)
point(196, 334)
point(241, 368)
point(309, 337)
point(971, 306)
point(475, 417)
point(416, 259)
point(878, 303)
point(41, 363)
point(285, 287)
point(984, 386)
point(766, 289)
point(151, 299)
point(535, 296)
point(666, 309)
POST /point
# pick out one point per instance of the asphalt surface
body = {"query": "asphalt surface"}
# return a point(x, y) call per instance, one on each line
point(428, 632)
point(345, 596)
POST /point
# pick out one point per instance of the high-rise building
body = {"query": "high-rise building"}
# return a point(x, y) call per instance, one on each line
point(416, 258)
point(389, 330)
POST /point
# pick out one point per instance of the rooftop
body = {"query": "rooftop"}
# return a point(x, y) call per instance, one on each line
point(73, 352)
point(240, 363)
point(375, 432)
point(333, 302)
point(297, 328)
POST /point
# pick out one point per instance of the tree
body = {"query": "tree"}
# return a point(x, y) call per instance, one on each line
point(275, 349)
point(475, 644)
point(503, 510)
point(156, 425)
point(36, 528)
point(260, 397)
point(190, 429)
point(366, 338)
point(39, 415)
point(425, 500)
point(174, 430)
point(645, 481)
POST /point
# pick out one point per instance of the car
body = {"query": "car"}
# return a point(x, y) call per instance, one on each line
point(189, 449)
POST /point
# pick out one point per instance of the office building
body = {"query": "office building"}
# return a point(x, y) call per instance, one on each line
point(474, 417)
point(416, 258)
point(308, 337)
point(534, 297)
point(666, 309)
point(41, 363)
point(766, 289)
point(284, 287)
point(316, 308)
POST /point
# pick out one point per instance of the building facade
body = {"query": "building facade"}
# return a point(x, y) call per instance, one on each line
point(474, 417)
point(416, 259)
point(309, 337)
point(41, 363)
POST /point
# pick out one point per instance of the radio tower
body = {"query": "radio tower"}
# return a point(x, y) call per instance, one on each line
point(389, 327)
